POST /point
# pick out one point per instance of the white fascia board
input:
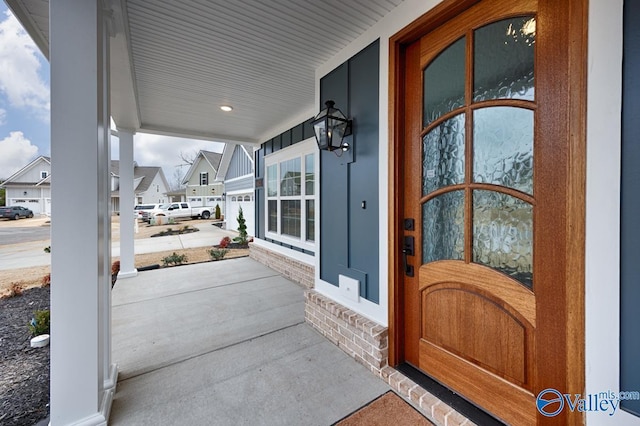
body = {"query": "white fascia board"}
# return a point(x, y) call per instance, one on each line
point(227, 154)
point(125, 109)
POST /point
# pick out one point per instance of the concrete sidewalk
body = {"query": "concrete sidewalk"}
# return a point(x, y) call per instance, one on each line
point(225, 343)
point(29, 254)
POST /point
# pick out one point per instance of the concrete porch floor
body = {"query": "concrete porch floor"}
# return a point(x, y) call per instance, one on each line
point(225, 343)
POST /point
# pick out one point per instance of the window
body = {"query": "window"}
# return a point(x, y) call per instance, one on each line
point(43, 174)
point(204, 178)
point(247, 198)
point(290, 178)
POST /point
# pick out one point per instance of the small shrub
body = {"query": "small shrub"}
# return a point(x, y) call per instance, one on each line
point(46, 280)
point(224, 243)
point(242, 237)
point(218, 253)
point(217, 213)
point(185, 229)
point(39, 323)
point(174, 259)
point(172, 221)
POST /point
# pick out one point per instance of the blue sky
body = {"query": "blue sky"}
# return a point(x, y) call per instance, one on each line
point(25, 110)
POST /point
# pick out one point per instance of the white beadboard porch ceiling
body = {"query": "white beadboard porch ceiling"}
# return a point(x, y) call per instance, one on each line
point(175, 63)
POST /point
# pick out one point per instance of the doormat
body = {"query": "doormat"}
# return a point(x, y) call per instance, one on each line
point(386, 410)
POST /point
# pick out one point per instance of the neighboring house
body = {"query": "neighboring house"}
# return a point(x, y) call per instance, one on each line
point(237, 173)
point(150, 185)
point(30, 186)
point(176, 196)
point(201, 188)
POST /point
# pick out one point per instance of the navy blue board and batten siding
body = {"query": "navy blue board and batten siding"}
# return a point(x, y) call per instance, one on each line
point(349, 193)
point(349, 190)
point(630, 206)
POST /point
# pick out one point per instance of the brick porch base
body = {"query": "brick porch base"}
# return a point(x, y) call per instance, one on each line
point(368, 343)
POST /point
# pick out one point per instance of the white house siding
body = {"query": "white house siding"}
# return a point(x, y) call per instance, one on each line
point(157, 192)
point(22, 188)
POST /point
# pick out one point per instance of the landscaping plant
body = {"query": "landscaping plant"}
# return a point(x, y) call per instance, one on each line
point(217, 253)
point(174, 259)
point(243, 237)
point(224, 243)
point(217, 214)
point(39, 323)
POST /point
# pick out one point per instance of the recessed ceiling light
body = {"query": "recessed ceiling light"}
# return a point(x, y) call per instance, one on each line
point(226, 108)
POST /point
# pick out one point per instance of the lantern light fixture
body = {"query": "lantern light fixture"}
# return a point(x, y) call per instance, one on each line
point(330, 127)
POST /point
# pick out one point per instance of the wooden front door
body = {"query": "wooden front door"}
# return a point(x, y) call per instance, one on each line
point(482, 177)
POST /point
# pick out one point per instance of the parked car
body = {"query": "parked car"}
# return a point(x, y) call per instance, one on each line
point(177, 210)
point(15, 212)
point(141, 208)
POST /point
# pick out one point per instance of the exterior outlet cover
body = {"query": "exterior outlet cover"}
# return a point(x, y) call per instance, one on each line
point(349, 288)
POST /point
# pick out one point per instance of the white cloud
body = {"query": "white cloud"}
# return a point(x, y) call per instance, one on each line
point(16, 151)
point(3, 116)
point(19, 67)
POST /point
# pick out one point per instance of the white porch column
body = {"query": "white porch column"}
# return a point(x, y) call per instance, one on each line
point(82, 379)
point(127, 198)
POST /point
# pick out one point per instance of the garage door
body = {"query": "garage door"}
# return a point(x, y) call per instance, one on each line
point(234, 202)
point(32, 204)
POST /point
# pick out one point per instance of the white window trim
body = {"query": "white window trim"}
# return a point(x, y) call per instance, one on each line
point(299, 150)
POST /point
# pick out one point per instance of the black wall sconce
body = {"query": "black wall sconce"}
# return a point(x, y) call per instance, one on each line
point(330, 127)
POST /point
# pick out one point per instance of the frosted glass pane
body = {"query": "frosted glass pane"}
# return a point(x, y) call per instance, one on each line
point(443, 81)
point(504, 60)
point(503, 234)
point(443, 156)
point(443, 227)
point(503, 147)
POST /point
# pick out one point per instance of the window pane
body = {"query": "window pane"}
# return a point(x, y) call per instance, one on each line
point(290, 218)
point(503, 60)
point(309, 172)
point(272, 181)
point(273, 216)
point(503, 147)
point(290, 177)
point(503, 234)
point(443, 227)
point(444, 80)
point(310, 222)
point(443, 155)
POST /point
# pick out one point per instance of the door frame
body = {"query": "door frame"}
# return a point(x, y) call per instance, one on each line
point(566, 124)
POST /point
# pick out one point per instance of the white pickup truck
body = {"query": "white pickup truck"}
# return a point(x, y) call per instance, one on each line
point(177, 210)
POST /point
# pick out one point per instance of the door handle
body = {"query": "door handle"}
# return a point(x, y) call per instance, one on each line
point(408, 250)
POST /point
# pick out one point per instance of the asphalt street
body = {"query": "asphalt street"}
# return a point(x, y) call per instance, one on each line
point(15, 235)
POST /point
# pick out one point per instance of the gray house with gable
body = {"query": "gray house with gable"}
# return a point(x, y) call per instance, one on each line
point(237, 173)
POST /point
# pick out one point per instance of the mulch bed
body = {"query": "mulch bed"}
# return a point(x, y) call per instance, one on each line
point(179, 231)
point(24, 371)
